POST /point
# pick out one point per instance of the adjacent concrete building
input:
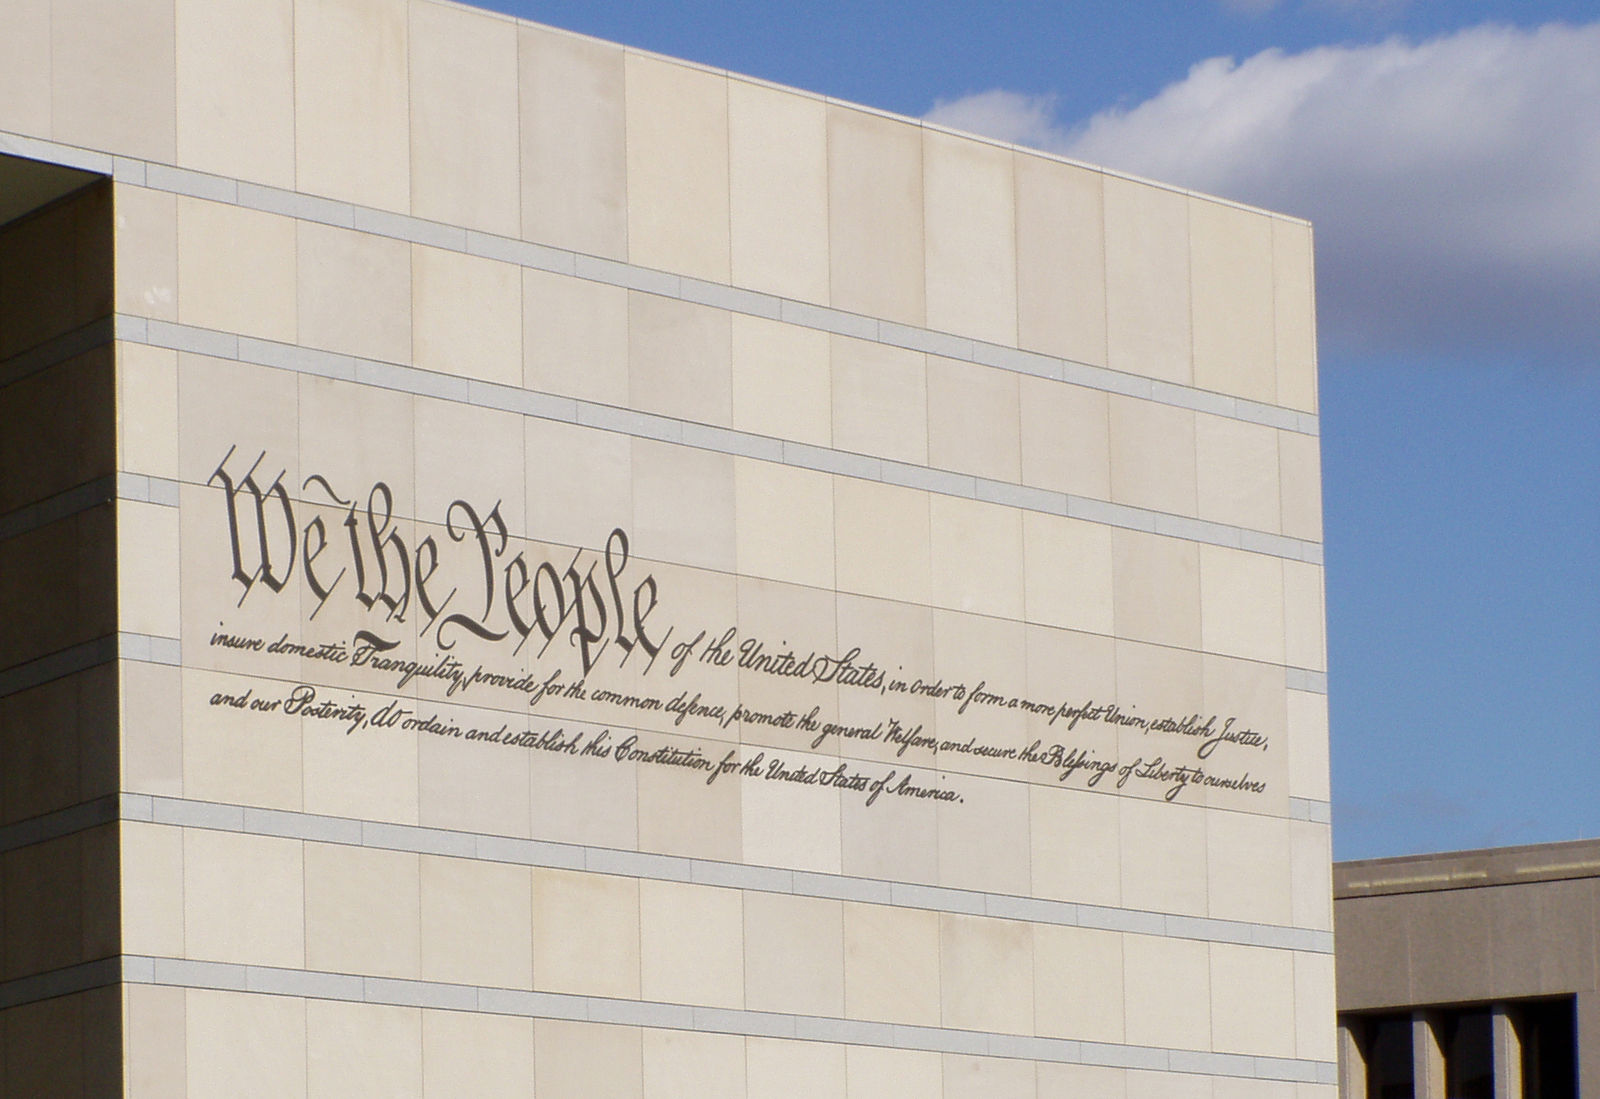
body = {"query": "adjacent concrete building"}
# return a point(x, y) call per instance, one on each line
point(1470, 974)
point(529, 567)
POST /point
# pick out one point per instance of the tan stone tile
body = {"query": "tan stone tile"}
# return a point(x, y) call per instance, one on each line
point(583, 1059)
point(880, 400)
point(352, 101)
point(575, 337)
point(586, 934)
point(1306, 731)
point(355, 293)
point(1252, 1000)
point(1061, 249)
point(1311, 881)
point(464, 119)
point(466, 315)
point(477, 924)
point(986, 971)
point(243, 899)
point(782, 381)
point(784, 522)
point(236, 270)
point(1248, 863)
point(970, 221)
point(574, 156)
point(691, 944)
point(1156, 588)
point(968, 1077)
point(1163, 866)
point(25, 82)
point(146, 244)
point(363, 1050)
point(1067, 573)
point(1166, 992)
point(1075, 838)
point(1147, 281)
point(677, 127)
point(476, 1054)
point(789, 824)
point(977, 556)
point(1305, 643)
point(1153, 456)
point(128, 107)
point(363, 910)
point(891, 964)
point(876, 1071)
point(1295, 321)
point(152, 889)
point(973, 419)
point(881, 541)
point(1237, 473)
point(152, 729)
point(683, 505)
point(774, 1068)
point(679, 359)
point(235, 79)
point(156, 1060)
point(794, 954)
point(1230, 259)
point(1066, 443)
point(248, 1046)
point(1077, 983)
point(778, 183)
point(875, 215)
point(678, 1063)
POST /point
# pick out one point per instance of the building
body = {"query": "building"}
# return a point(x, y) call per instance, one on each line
point(1470, 973)
point(528, 565)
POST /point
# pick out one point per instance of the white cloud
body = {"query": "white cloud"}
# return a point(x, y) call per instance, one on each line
point(1454, 184)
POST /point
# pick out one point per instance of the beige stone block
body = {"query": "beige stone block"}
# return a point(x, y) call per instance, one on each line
point(895, 837)
point(1067, 574)
point(774, 1069)
point(1305, 641)
point(1315, 1029)
point(1237, 473)
point(574, 153)
point(970, 221)
point(1311, 882)
point(235, 71)
point(586, 934)
point(363, 911)
point(881, 541)
point(1077, 983)
point(899, 636)
point(1307, 733)
point(778, 178)
point(474, 1054)
point(352, 101)
point(355, 293)
point(236, 270)
point(354, 436)
point(146, 244)
point(466, 315)
point(1300, 465)
point(580, 483)
point(25, 81)
point(680, 359)
point(1156, 588)
point(464, 452)
point(874, 1071)
point(363, 1050)
point(977, 556)
point(787, 618)
point(1241, 604)
point(154, 1039)
point(243, 899)
point(575, 337)
point(691, 944)
point(988, 1078)
point(1163, 860)
point(784, 522)
point(782, 380)
point(574, 802)
point(465, 160)
point(128, 106)
point(1061, 257)
point(1166, 992)
point(148, 379)
point(152, 889)
point(880, 400)
point(891, 964)
point(677, 125)
point(1153, 456)
point(794, 954)
point(477, 924)
point(238, 755)
point(1230, 262)
point(875, 209)
point(1251, 696)
point(1248, 864)
point(1058, 1081)
point(576, 1060)
point(479, 785)
point(1159, 681)
point(986, 970)
point(790, 824)
point(680, 1063)
point(1075, 838)
point(973, 419)
point(152, 729)
point(242, 1045)
point(1295, 317)
point(1168, 1085)
point(683, 505)
point(969, 856)
point(1252, 1000)
point(1147, 281)
point(369, 775)
point(1066, 438)
point(147, 569)
point(225, 406)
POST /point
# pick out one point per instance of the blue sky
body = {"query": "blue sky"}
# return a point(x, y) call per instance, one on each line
point(1449, 156)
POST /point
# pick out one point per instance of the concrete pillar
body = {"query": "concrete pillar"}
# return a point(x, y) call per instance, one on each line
point(1427, 1056)
point(1507, 1054)
point(1352, 1063)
